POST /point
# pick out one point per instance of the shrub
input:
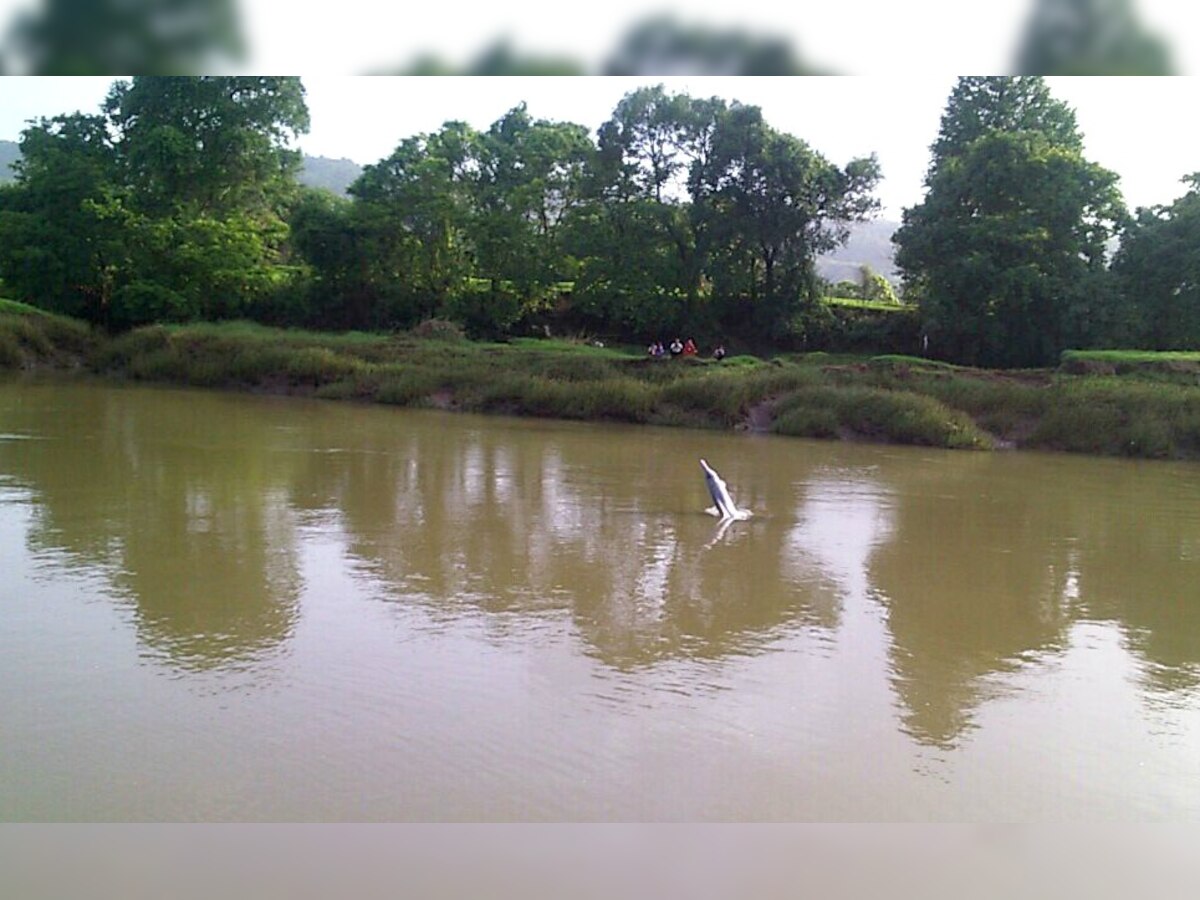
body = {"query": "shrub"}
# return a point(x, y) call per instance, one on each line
point(485, 312)
point(438, 330)
point(620, 399)
point(1113, 416)
point(408, 388)
point(1001, 405)
point(1182, 366)
point(566, 367)
point(718, 397)
point(10, 351)
point(162, 364)
point(146, 301)
point(318, 365)
point(875, 414)
point(30, 335)
point(808, 421)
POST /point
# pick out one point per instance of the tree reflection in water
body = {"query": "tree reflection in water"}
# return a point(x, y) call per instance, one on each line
point(197, 507)
point(174, 496)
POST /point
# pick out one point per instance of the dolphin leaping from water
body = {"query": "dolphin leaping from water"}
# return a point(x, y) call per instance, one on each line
point(724, 507)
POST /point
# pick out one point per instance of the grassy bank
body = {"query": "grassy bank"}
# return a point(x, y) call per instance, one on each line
point(30, 338)
point(1177, 366)
point(895, 399)
point(556, 379)
point(1102, 414)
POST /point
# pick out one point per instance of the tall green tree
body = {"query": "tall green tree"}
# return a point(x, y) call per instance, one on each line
point(982, 105)
point(208, 170)
point(629, 277)
point(62, 246)
point(643, 255)
point(347, 254)
point(874, 287)
point(1007, 252)
point(413, 209)
point(774, 204)
point(649, 142)
point(208, 145)
point(168, 206)
point(1158, 272)
point(528, 183)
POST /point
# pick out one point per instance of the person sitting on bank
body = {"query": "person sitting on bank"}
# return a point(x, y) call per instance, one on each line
point(689, 348)
point(719, 352)
point(676, 347)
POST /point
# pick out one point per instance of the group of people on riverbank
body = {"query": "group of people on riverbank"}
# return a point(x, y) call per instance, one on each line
point(679, 348)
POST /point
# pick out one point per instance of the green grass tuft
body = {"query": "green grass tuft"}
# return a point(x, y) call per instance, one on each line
point(32, 337)
point(1117, 417)
point(1176, 366)
point(876, 414)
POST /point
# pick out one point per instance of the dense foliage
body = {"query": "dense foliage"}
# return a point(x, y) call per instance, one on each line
point(178, 201)
point(167, 206)
point(1007, 252)
point(1158, 270)
point(685, 215)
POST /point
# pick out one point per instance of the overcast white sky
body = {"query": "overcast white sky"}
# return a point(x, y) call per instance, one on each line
point(1143, 129)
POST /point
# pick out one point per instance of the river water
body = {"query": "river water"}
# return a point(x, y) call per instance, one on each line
point(236, 608)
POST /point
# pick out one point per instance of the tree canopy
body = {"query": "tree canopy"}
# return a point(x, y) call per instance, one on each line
point(1158, 270)
point(168, 205)
point(1007, 251)
point(684, 213)
point(178, 200)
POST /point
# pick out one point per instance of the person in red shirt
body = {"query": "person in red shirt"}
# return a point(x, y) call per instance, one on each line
point(689, 348)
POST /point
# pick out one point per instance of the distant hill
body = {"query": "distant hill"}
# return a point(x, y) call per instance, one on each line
point(10, 152)
point(335, 175)
point(870, 244)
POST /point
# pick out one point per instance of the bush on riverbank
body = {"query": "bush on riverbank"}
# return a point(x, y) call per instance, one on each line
point(1181, 366)
point(878, 414)
point(30, 337)
point(1119, 417)
point(865, 326)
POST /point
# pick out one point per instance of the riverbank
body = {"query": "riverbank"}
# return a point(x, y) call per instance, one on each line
point(30, 338)
point(1144, 410)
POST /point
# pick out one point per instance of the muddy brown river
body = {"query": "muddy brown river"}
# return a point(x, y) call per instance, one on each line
point(235, 608)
